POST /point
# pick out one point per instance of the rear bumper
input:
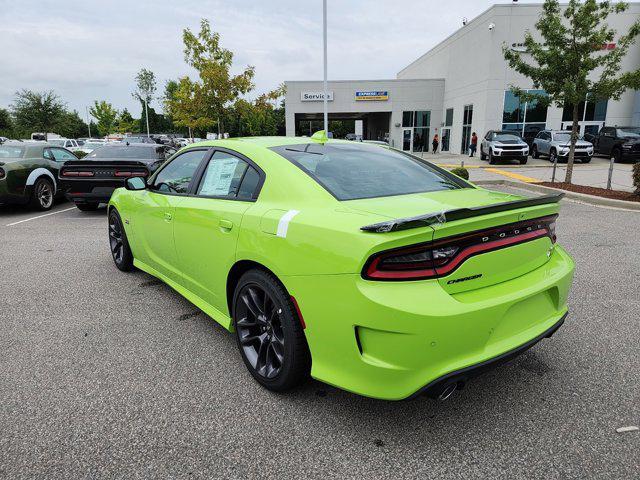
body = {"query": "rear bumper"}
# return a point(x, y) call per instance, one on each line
point(79, 191)
point(460, 377)
point(392, 340)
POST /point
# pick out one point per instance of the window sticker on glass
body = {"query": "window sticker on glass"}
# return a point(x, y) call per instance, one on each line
point(218, 177)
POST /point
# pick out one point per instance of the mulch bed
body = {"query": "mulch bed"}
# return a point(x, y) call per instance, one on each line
point(598, 192)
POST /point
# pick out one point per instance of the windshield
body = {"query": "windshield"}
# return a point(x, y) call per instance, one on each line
point(502, 137)
point(129, 151)
point(58, 142)
point(9, 151)
point(353, 171)
point(629, 132)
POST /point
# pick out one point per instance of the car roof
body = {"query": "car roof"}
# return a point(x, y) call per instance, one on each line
point(264, 142)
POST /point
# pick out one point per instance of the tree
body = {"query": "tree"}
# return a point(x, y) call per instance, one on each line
point(186, 107)
point(570, 63)
point(37, 110)
point(145, 88)
point(106, 116)
point(6, 123)
point(71, 125)
point(217, 88)
point(125, 123)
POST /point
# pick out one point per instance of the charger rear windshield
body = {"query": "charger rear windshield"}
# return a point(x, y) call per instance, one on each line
point(353, 171)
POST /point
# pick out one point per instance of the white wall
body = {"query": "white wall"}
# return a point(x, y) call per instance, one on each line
point(475, 72)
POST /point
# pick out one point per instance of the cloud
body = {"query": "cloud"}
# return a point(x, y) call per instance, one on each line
point(88, 51)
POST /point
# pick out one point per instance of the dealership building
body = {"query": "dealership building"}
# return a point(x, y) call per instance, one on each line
point(460, 86)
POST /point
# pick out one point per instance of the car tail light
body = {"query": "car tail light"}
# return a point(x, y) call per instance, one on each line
point(440, 258)
point(72, 173)
point(124, 173)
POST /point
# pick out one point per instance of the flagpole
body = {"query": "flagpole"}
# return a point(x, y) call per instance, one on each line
point(324, 35)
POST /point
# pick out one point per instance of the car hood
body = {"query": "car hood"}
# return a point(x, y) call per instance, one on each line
point(429, 202)
point(509, 142)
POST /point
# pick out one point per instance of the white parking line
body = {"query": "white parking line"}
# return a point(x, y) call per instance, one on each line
point(39, 216)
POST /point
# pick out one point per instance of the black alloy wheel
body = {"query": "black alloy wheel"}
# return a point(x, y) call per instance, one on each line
point(119, 244)
point(534, 152)
point(269, 332)
point(42, 196)
point(260, 331)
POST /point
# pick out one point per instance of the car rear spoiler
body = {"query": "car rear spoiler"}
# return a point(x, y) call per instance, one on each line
point(458, 214)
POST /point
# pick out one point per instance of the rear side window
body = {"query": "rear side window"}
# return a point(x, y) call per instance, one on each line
point(356, 171)
point(228, 176)
point(176, 176)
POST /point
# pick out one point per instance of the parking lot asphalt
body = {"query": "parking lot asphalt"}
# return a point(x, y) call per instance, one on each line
point(114, 375)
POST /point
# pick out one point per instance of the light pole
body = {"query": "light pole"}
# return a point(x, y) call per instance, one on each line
point(146, 114)
point(324, 39)
point(88, 120)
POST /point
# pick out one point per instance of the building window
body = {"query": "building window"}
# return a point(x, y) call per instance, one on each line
point(407, 119)
point(524, 118)
point(448, 118)
point(588, 111)
point(467, 119)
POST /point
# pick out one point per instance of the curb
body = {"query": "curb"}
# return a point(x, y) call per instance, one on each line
point(582, 197)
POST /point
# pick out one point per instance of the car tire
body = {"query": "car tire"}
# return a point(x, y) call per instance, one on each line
point(553, 155)
point(586, 159)
point(269, 332)
point(482, 154)
point(87, 207)
point(492, 159)
point(534, 152)
point(42, 195)
point(523, 161)
point(118, 243)
point(616, 153)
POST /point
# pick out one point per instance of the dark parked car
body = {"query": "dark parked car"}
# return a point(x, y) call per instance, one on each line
point(621, 143)
point(90, 181)
point(29, 172)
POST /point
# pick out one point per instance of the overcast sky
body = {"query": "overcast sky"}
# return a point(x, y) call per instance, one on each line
point(86, 50)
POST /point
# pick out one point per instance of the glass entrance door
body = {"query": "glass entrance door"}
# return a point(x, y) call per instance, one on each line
point(407, 139)
point(444, 141)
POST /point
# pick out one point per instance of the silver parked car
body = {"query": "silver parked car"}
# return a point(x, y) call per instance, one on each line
point(555, 144)
point(504, 145)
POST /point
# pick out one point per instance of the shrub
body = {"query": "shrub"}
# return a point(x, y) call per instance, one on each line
point(636, 177)
point(461, 172)
point(80, 154)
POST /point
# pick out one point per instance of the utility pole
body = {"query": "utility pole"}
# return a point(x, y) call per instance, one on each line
point(88, 120)
point(324, 39)
point(146, 114)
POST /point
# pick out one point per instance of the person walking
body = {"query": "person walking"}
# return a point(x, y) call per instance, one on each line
point(434, 143)
point(474, 144)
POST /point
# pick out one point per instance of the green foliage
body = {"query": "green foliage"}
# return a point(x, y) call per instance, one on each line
point(145, 85)
point(37, 111)
point(80, 154)
point(461, 172)
point(71, 125)
point(202, 103)
point(125, 123)
point(106, 116)
point(636, 177)
point(6, 123)
point(569, 63)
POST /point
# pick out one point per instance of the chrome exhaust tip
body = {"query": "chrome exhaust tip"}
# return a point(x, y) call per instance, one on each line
point(448, 391)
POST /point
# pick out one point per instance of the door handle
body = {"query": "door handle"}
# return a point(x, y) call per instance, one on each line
point(167, 217)
point(225, 225)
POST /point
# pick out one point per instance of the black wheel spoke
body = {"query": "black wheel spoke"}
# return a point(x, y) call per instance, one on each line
point(259, 330)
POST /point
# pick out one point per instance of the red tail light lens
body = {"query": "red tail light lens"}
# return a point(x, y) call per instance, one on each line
point(123, 173)
point(71, 173)
point(440, 258)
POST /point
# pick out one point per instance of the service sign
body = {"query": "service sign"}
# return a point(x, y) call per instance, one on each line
point(315, 96)
point(372, 96)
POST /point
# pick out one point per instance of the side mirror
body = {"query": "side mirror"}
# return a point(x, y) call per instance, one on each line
point(135, 183)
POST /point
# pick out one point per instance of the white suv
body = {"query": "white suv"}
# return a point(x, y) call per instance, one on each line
point(555, 144)
point(505, 145)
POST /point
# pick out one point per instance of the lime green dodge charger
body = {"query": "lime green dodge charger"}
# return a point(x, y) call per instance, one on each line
point(359, 265)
